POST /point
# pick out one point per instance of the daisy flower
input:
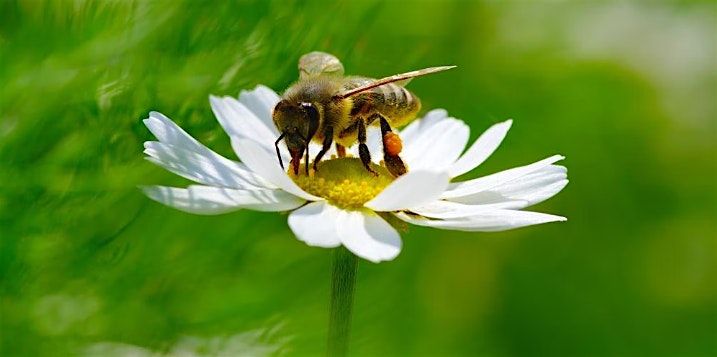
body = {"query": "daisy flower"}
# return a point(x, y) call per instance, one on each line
point(341, 203)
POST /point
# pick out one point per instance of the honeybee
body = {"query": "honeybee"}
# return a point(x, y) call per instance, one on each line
point(326, 106)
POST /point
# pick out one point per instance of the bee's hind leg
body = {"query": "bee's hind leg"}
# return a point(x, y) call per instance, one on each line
point(391, 148)
point(364, 154)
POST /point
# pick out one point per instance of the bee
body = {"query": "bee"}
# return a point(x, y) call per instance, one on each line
point(325, 106)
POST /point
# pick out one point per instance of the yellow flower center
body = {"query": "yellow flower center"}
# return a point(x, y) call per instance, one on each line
point(344, 182)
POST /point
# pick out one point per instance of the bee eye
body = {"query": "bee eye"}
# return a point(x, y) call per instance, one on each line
point(313, 115)
point(310, 108)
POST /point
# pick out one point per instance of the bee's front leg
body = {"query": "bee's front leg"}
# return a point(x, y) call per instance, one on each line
point(392, 146)
point(325, 145)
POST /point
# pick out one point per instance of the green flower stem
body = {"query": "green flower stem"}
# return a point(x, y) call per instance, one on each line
point(343, 280)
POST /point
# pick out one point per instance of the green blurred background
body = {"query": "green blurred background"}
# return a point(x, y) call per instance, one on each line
point(627, 91)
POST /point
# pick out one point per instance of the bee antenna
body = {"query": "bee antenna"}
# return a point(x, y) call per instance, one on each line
point(278, 154)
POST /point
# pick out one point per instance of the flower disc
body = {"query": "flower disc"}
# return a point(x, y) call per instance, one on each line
point(344, 182)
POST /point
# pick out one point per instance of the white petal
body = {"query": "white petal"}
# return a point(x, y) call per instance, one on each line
point(447, 209)
point(524, 191)
point(211, 169)
point(374, 141)
point(216, 200)
point(368, 236)
point(422, 125)
point(166, 131)
point(259, 160)
point(489, 221)
point(485, 183)
point(481, 149)
point(413, 189)
point(238, 121)
point(261, 101)
point(175, 137)
point(315, 224)
point(437, 147)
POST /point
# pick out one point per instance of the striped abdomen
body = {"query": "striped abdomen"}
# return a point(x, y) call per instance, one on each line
point(391, 100)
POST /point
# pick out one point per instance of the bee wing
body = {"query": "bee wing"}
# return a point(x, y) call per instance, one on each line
point(316, 63)
point(404, 82)
point(403, 77)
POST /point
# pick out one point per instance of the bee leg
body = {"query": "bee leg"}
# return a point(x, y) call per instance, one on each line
point(306, 166)
point(325, 145)
point(391, 148)
point(340, 150)
point(364, 154)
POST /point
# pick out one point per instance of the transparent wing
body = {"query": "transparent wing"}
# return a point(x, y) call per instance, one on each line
point(403, 77)
point(404, 82)
point(316, 63)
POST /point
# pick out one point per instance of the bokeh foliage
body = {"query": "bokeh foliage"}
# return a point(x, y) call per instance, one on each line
point(625, 91)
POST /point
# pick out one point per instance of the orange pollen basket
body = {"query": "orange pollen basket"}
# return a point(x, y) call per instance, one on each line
point(392, 143)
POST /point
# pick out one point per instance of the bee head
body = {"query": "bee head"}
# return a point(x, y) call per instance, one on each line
point(297, 123)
